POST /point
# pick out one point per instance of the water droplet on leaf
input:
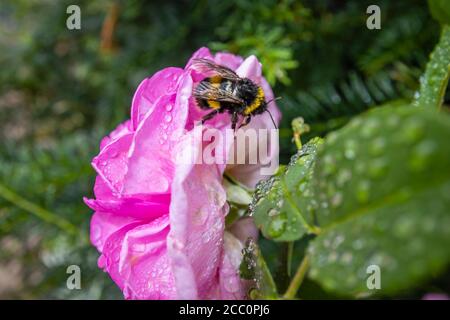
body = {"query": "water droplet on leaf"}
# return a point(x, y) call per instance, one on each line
point(277, 225)
point(362, 191)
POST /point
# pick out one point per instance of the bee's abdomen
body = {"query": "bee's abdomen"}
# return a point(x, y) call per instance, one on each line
point(203, 96)
point(202, 103)
point(206, 98)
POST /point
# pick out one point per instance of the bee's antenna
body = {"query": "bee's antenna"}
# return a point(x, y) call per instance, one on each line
point(274, 99)
point(267, 110)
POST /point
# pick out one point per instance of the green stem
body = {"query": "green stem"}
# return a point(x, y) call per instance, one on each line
point(299, 127)
point(36, 210)
point(435, 80)
point(298, 141)
point(290, 254)
point(298, 279)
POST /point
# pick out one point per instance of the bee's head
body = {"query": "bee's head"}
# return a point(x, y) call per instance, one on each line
point(247, 89)
point(262, 108)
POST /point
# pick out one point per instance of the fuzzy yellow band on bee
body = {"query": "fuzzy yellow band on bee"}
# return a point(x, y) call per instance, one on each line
point(215, 79)
point(259, 99)
point(214, 104)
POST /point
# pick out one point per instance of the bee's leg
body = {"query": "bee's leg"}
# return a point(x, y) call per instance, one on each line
point(209, 116)
point(234, 119)
point(246, 121)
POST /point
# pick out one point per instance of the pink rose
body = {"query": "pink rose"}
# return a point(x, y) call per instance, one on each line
point(160, 223)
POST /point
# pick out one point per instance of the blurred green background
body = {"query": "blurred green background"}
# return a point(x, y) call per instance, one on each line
point(62, 90)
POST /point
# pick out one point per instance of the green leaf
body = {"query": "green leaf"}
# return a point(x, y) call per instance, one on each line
point(253, 267)
point(282, 206)
point(434, 82)
point(440, 10)
point(383, 187)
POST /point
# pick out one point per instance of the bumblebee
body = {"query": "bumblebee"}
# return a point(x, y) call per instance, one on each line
point(224, 91)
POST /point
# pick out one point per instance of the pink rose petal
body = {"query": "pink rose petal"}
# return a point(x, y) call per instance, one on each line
point(228, 60)
point(162, 83)
point(121, 130)
point(104, 224)
point(111, 163)
point(130, 207)
point(197, 223)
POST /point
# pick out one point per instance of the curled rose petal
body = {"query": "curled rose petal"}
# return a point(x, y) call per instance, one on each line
point(231, 285)
point(150, 168)
point(162, 83)
point(202, 53)
point(130, 207)
point(111, 163)
point(104, 224)
point(121, 130)
point(110, 257)
point(148, 275)
point(197, 223)
point(250, 68)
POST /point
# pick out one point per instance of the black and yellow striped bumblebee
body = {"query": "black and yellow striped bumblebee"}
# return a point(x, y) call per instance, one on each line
point(225, 91)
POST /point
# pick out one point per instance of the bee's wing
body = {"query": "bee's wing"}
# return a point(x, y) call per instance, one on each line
point(206, 66)
point(206, 90)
